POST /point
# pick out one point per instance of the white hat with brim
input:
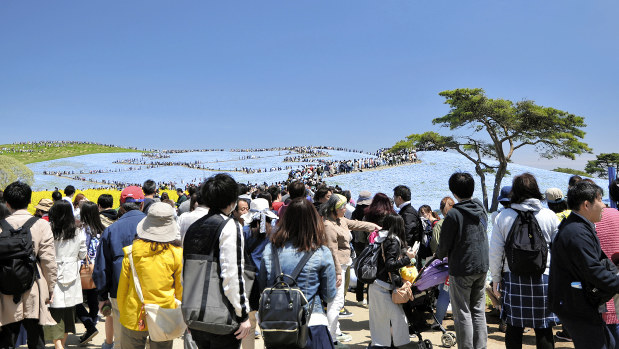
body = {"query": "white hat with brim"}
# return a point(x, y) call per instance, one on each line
point(159, 225)
point(256, 207)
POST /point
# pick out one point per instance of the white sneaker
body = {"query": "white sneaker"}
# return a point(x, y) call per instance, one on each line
point(343, 338)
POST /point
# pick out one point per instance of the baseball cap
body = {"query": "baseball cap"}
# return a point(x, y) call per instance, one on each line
point(131, 193)
point(554, 195)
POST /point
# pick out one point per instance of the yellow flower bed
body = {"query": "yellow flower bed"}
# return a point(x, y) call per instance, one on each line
point(91, 194)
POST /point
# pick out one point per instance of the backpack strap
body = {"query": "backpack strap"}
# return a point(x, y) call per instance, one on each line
point(297, 270)
point(299, 267)
point(6, 227)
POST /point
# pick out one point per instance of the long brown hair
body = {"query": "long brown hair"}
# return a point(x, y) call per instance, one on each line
point(76, 202)
point(301, 225)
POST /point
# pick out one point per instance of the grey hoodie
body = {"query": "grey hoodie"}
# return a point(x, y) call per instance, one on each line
point(464, 240)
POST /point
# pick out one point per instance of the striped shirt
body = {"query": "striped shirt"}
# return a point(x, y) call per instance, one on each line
point(608, 232)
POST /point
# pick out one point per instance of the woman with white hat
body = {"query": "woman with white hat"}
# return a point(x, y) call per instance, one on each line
point(158, 261)
point(260, 221)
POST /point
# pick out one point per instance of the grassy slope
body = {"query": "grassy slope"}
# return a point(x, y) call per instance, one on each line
point(42, 153)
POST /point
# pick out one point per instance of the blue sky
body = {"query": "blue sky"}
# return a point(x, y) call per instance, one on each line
point(361, 74)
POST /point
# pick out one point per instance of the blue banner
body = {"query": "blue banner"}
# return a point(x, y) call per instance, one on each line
point(612, 175)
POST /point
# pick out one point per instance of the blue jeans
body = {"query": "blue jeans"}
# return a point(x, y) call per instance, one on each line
point(442, 302)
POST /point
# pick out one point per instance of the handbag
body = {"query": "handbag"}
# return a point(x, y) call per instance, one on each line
point(164, 324)
point(402, 294)
point(86, 270)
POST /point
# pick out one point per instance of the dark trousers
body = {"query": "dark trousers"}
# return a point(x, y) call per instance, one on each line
point(544, 339)
point(586, 334)
point(359, 290)
point(88, 318)
point(614, 331)
point(205, 340)
point(10, 332)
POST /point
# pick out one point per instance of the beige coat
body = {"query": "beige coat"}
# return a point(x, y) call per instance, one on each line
point(338, 238)
point(32, 304)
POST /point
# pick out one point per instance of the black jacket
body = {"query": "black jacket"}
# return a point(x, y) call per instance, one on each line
point(577, 256)
point(394, 259)
point(412, 224)
point(464, 239)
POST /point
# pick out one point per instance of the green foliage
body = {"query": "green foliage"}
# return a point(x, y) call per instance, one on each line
point(495, 128)
point(600, 165)
point(36, 152)
point(571, 171)
point(12, 170)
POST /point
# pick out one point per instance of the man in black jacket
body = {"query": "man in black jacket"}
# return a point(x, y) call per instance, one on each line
point(582, 278)
point(412, 226)
point(465, 241)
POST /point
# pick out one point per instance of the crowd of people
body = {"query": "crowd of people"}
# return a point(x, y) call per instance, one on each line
point(551, 261)
point(27, 147)
point(313, 174)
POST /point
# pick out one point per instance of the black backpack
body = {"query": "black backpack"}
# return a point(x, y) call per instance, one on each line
point(283, 314)
point(525, 247)
point(18, 264)
point(366, 264)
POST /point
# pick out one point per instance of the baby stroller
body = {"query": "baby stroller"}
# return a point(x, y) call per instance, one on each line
point(425, 291)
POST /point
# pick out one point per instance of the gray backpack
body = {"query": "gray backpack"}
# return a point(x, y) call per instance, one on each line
point(205, 307)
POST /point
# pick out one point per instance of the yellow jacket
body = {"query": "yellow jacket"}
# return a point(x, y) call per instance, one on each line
point(159, 273)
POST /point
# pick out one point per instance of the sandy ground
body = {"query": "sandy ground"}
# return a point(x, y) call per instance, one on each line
point(358, 327)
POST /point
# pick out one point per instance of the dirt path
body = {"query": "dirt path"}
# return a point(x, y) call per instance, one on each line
point(358, 327)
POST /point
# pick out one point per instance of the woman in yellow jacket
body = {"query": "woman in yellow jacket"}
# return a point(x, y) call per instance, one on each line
point(158, 260)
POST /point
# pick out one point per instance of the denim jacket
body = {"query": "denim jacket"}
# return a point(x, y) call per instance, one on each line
point(316, 280)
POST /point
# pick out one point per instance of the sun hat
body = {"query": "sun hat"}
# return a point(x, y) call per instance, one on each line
point(504, 196)
point(131, 193)
point(44, 205)
point(159, 224)
point(554, 195)
point(259, 210)
point(365, 198)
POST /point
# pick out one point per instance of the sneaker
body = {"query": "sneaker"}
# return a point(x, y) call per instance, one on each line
point(343, 338)
point(345, 313)
point(563, 336)
point(107, 346)
point(362, 304)
point(88, 335)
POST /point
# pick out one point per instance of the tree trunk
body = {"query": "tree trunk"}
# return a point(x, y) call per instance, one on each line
point(500, 173)
point(484, 190)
